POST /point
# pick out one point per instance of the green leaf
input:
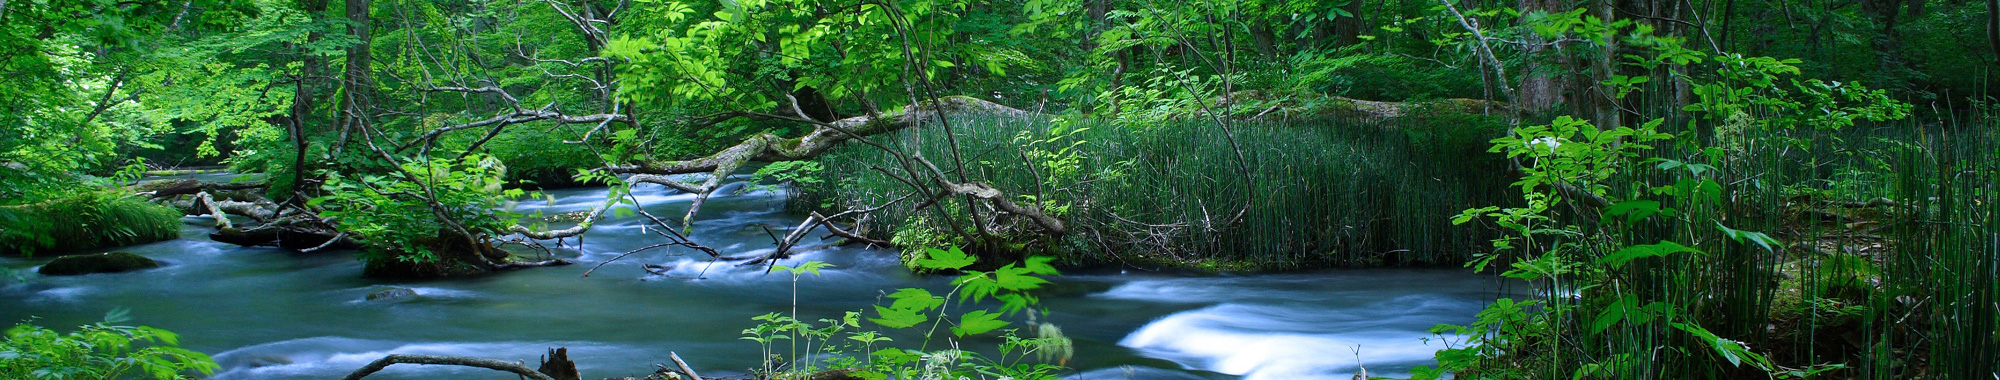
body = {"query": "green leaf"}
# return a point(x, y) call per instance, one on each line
point(1633, 211)
point(1017, 279)
point(1612, 314)
point(977, 322)
point(1740, 236)
point(915, 299)
point(1626, 255)
point(938, 259)
point(897, 318)
point(1040, 265)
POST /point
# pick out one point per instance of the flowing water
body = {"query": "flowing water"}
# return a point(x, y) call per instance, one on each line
point(266, 313)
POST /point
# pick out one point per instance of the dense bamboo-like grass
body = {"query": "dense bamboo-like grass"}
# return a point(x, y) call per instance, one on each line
point(1886, 269)
point(86, 220)
point(1305, 194)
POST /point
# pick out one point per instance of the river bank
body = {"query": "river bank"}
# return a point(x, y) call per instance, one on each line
point(270, 314)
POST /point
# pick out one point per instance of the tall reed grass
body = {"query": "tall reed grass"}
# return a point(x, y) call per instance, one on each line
point(1309, 193)
point(1886, 270)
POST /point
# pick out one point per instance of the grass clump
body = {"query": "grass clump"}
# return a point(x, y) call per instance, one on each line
point(1308, 193)
point(83, 221)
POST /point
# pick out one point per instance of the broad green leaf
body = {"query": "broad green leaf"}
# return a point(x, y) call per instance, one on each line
point(1627, 254)
point(897, 318)
point(939, 259)
point(977, 322)
point(1634, 210)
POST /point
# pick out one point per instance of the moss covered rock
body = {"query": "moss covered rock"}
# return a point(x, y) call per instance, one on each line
point(109, 262)
point(392, 293)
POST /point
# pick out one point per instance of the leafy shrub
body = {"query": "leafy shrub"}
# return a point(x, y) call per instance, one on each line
point(1352, 73)
point(393, 214)
point(916, 308)
point(1323, 191)
point(98, 351)
point(87, 220)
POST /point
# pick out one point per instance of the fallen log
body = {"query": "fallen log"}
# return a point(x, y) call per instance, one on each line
point(465, 361)
point(167, 188)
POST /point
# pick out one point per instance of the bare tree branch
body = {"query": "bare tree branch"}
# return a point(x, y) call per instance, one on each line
point(386, 361)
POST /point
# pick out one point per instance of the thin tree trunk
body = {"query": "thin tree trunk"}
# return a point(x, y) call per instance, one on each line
point(359, 87)
point(1262, 35)
point(1347, 29)
point(1887, 58)
point(1993, 28)
point(1542, 87)
point(302, 98)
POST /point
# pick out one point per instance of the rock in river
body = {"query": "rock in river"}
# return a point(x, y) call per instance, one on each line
point(392, 293)
point(108, 262)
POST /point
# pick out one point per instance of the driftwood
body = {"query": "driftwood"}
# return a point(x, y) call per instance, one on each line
point(532, 264)
point(491, 364)
point(684, 365)
point(174, 187)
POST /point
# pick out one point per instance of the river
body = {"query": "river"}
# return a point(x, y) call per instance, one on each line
point(266, 313)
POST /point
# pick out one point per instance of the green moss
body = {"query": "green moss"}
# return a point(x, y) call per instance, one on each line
point(89, 220)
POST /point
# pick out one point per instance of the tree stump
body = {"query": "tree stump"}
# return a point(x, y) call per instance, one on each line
point(558, 366)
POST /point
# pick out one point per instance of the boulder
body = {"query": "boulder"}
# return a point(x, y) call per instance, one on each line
point(108, 262)
point(392, 293)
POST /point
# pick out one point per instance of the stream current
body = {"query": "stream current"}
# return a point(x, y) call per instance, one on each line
point(266, 313)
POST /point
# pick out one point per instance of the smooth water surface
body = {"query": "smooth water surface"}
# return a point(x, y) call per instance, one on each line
point(266, 313)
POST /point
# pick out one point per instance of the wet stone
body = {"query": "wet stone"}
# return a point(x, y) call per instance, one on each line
point(392, 293)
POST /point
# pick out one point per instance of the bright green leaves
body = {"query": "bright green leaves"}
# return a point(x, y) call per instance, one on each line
point(1625, 85)
point(812, 267)
point(1634, 210)
point(977, 322)
point(908, 309)
point(1748, 237)
point(1733, 351)
point(400, 215)
point(98, 351)
point(1627, 254)
point(942, 259)
point(1009, 284)
point(922, 309)
point(1627, 308)
point(745, 54)
point(1571, 152)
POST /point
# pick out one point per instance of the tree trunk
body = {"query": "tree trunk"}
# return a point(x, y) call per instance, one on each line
point(1993, 28)
point(1542, 86)
point(1347, 29)
point(359, 88)
point(1262, 35)
point(1887, 59)
point(302, 98)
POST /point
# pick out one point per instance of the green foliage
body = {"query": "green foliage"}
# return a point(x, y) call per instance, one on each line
point(85, 220)
point(1354, 72)
point(423, 212)
point(803, 173)
point(99, 351)
point(912, 308)
point(1321, 192)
